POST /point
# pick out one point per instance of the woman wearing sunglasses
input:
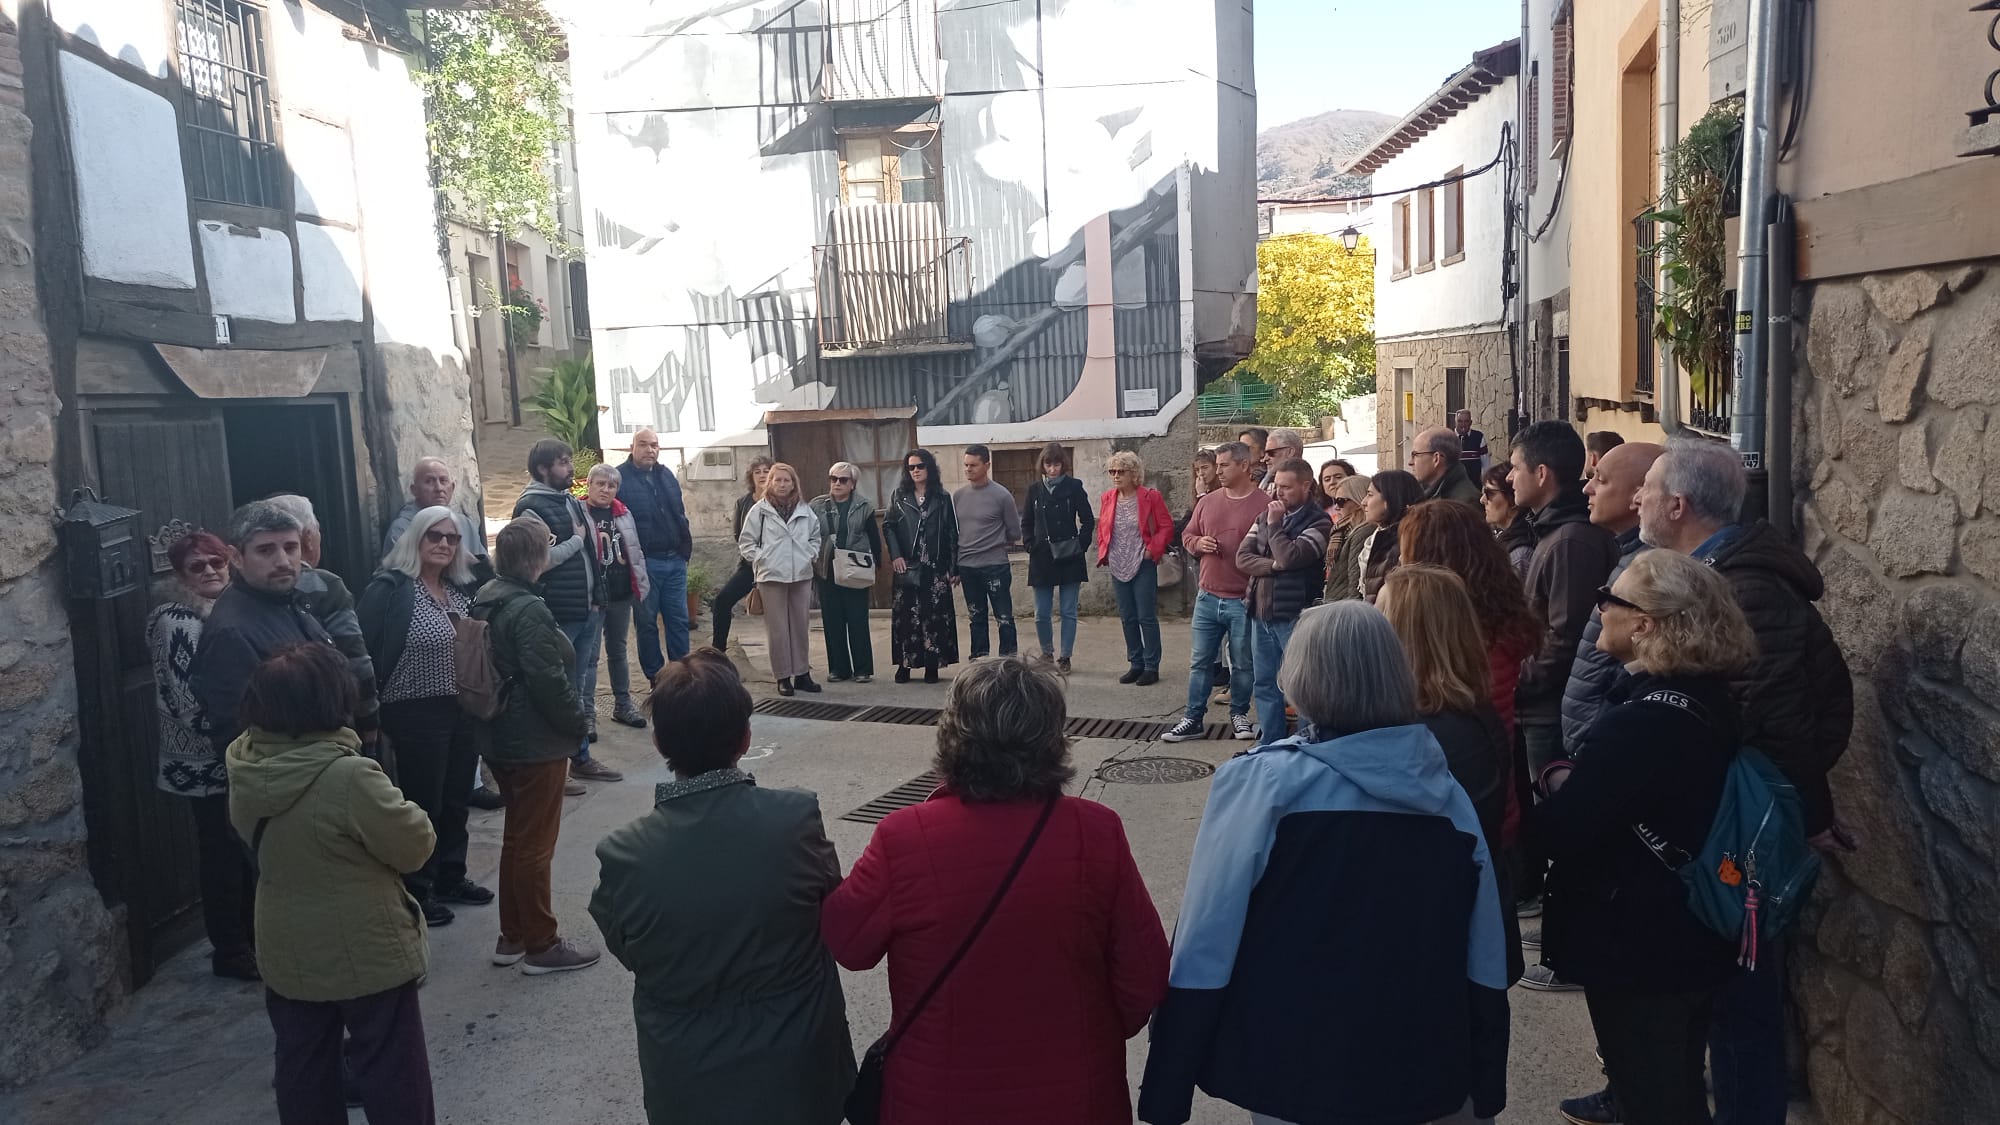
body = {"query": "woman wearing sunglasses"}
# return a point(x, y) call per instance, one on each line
point(189, 765)
point(921, 534)
point(406, 617)
point(1616, 918)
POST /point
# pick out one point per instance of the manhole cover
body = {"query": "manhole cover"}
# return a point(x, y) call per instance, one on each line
point(1155, 771)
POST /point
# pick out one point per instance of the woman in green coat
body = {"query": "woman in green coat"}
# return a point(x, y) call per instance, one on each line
point(712, 900)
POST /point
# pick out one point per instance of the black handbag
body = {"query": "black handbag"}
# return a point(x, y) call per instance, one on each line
point(1061, 550)
point(864, 1102)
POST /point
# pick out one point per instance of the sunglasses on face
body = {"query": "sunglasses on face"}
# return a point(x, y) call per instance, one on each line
point(435, 537)
point(1491, 493)
point(917, 468)
point(203, 566)
point(840, 480)
point(1606, 598)
point(1342, 502)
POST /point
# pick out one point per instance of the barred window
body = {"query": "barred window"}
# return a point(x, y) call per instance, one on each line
point(228, 119)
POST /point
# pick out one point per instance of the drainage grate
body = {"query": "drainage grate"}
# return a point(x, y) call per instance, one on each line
point(807, 709)
point(1123, 730)
point(1154, 771)
point(900, 716)
point(911, 792)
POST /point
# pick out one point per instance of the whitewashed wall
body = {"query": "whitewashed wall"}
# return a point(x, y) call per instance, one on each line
point(1467, 293)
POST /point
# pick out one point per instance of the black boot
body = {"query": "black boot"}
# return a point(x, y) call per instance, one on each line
point(930, 673)
point(784, 685)
point(902, 674)
point(1132, 674)
point(805, 683)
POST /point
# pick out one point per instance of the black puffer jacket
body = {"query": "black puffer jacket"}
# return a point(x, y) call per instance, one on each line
point(1286, 562)
point(1797, 697)
point(1593, 674)
point(570, 585)
point(1573, 557)
point(936, 524)
point(1616, 917)
point(1053, 517)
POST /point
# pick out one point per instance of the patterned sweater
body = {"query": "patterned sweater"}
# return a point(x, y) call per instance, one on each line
point(188, 762)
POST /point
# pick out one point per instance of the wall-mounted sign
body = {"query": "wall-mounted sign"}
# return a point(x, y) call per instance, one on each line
point(1142, 400)
point(222, 331)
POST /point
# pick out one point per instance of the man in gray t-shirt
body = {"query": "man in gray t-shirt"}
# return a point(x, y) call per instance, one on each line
point(988, 521)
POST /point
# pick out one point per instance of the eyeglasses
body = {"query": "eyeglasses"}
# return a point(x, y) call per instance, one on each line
point(1342, 502)
point(1490, 492)
point(204, 566)
point(451, 537)
point(1606, 598)
point(917, 467)
point(840, 480)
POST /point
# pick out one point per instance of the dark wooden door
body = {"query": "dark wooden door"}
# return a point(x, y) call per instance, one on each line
point(303, 449)
point(142, 846)
point(875, 446)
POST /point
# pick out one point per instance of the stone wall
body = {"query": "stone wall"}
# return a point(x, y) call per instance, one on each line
point(60, 949)
point(426, 411)
point(1489, 386)
point(1898, 972)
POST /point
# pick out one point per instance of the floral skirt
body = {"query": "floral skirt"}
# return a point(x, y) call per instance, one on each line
point(923, 627)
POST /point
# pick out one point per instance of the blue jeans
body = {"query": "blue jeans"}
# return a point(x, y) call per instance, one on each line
point(617, 645)
point(585, 636)
point(986, 586)
point(1271, 638)
point(1217, 619)
point(1139, 613)
point(668, 599)
point(1045, 627)
point(1746, 1043)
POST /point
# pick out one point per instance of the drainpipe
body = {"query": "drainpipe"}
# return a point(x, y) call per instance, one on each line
point(1753, 294)
point(1524, 318)
point(1667, 381)
point(1784, 271)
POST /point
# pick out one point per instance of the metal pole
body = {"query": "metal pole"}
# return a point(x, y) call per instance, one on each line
point(1753, 264)
point(1784, 270)
point(506, 330)
point(1666, 381)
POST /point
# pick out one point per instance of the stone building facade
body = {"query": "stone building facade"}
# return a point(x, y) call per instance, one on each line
point(1441, 375)
point(59, 961)
point(1898, 973)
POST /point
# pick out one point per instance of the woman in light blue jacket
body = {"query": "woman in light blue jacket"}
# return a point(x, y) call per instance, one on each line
point(1339, 953)
point(780, 540)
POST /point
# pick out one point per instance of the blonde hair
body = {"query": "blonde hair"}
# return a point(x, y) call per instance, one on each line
point(1432, 613)
point(776, 467)
point(1125, 459)
point(1699, 630)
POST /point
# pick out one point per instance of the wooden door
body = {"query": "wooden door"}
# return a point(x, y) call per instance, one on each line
point(142, 846)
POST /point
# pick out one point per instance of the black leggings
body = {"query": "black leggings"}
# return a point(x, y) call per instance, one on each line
point(735, 590)
point(228, 884)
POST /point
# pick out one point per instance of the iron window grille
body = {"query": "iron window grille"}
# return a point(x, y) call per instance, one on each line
point(1646, 304)
point(228, 119)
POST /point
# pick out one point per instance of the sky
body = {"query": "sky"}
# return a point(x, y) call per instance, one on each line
point(1384, 55)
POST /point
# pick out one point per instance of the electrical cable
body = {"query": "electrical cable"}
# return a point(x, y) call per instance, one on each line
point(1805, 26)
point(1555, 205)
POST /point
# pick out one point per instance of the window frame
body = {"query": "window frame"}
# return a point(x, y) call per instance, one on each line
point(1399, 261)
point(1426, 230)
point(1451, 219)
point(895, 141)
point(254, 155)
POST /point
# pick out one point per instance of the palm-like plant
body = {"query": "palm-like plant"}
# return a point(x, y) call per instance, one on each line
point(567, 402)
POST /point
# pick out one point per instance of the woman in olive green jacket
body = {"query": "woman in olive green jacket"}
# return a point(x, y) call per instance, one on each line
point(527, 746)
point(339, 941)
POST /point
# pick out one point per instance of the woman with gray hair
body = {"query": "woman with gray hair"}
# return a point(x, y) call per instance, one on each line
point(408, 613)
point(615, 536)
point(1329, 956)
point(846, 526)
point(1023, 948)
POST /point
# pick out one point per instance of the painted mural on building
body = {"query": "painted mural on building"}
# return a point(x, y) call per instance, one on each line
point(958, 207)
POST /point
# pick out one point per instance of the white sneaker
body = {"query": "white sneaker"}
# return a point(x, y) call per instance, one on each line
point(1182, 731)
point(1241, 728)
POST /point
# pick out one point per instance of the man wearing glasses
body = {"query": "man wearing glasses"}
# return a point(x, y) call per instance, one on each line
point(1280, 447)
point(1435, 463)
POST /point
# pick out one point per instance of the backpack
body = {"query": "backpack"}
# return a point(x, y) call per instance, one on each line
point(1756, 868)
point(481, 690)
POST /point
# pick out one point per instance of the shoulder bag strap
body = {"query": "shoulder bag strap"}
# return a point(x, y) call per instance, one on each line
point(966, 946)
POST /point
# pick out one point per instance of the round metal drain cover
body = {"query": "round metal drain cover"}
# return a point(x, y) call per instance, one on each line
point(1155, 771)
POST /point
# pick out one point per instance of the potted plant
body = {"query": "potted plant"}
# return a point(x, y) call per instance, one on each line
point(700, 588)
point(566, 400)
point(524, 314)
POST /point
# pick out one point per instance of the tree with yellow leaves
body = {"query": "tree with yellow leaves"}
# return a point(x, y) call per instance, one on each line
point(1315, 324)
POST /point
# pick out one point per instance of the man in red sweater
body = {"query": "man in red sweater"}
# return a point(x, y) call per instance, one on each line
point(1220, 521)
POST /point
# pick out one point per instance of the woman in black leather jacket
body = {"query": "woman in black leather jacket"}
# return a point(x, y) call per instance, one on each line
point(921, 530)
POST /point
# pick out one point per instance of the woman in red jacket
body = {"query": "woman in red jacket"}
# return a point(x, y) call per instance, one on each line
point(1133, 530)
point(1031, 1025)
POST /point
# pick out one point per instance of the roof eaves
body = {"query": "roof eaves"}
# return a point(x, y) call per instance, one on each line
point(1488, 69)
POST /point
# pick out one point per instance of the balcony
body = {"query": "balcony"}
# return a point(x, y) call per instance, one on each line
point(882, 51)
point(886, 280)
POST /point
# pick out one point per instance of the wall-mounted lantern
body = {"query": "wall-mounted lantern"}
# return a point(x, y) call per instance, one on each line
point(100, 548)
point(1350, 238)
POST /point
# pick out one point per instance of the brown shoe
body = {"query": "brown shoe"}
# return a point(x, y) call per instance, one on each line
point(590, 769)
point(559, 958)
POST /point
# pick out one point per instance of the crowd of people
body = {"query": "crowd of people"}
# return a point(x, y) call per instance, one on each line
point(1381, 639)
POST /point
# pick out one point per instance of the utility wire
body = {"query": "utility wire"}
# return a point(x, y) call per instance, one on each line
point(1459, 177)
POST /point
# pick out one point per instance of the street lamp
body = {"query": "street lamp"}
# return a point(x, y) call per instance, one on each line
point(1350, 238)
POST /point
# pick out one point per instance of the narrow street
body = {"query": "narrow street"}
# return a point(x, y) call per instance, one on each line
point(512, 1050)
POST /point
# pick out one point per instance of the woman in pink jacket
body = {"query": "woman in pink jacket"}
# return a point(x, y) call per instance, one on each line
point(1133, 530)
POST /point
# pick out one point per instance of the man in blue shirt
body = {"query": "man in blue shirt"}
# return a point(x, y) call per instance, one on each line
point(653, 494)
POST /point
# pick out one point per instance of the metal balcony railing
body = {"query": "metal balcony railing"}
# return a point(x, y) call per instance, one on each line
point(882, 50)
point(1645, 305)
point(887, 281)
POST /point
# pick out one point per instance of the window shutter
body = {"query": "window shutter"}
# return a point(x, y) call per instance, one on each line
point(1531, 152)
point(1561, 54)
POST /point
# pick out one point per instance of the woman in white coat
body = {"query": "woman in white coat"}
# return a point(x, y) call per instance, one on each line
point(780, 539)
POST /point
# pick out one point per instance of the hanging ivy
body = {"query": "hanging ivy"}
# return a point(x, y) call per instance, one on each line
point(494, 94)
point(1692, 249)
